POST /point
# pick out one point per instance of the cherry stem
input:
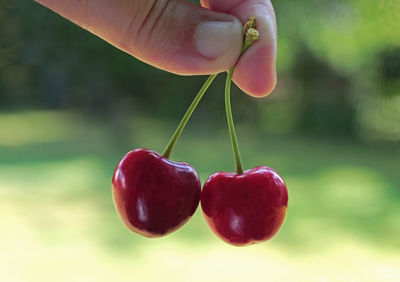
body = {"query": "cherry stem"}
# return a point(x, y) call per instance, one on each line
point(231, 126)
point(186, 117)
point(251, 35)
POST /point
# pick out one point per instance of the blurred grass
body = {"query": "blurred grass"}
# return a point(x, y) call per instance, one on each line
point(59, 223)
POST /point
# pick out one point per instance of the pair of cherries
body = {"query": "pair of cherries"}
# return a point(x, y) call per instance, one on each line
point(155, 196)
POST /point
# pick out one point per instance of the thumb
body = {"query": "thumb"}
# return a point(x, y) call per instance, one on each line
point(173, 35)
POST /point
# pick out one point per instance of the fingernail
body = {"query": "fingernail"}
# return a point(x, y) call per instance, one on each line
point(212, 38)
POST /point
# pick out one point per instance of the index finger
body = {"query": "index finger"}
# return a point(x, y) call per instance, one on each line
point(255, 73)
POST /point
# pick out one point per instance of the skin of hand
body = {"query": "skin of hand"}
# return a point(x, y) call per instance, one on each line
point(184, 38)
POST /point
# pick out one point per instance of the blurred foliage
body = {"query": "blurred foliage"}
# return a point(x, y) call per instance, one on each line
point(338, 70)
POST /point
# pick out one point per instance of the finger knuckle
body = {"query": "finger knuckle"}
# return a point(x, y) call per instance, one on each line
point(146, 27)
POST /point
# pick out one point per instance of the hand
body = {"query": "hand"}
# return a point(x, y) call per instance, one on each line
point(184, 38)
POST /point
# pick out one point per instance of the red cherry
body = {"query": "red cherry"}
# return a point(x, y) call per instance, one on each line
point(154, 195)
point(246, 208)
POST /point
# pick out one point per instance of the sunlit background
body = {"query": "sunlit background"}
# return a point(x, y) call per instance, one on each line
point(71, 106)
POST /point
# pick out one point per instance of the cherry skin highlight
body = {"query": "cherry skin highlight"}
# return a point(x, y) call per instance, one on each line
point(153, 195)
point(244, 209)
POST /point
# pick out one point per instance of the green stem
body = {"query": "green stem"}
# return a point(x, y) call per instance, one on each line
point(231, 126)
point(251, 35)
point(186, 117)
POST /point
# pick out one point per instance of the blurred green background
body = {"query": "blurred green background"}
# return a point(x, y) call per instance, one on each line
point(71, 105)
